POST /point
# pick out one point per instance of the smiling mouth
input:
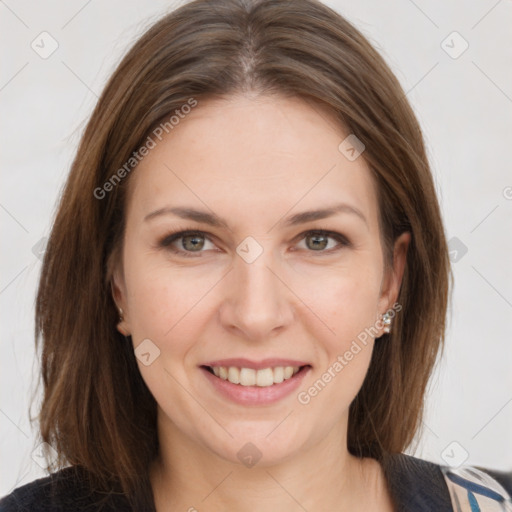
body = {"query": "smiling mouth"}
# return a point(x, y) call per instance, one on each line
point(264, 377)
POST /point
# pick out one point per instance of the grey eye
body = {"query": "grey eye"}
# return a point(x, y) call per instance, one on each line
point(317, 242)
point(323, 241)
point(192, 242)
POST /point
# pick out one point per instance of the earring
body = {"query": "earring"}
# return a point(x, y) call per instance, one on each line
point(120, 315)
point(386, 320)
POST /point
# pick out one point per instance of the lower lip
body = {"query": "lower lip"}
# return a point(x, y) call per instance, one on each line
point(256, 395)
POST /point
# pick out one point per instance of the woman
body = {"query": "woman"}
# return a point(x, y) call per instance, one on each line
point(245, 288)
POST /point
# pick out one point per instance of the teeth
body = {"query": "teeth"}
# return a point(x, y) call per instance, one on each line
point(265, 377)
point(278, 374)
point(247, 376)
point(250, 377)
point(234, 375)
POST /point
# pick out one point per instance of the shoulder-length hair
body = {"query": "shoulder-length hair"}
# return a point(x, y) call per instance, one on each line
point(97, 411)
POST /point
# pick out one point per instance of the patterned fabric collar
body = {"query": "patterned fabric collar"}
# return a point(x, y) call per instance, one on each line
point(420, 486)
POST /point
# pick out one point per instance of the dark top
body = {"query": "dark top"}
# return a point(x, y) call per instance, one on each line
point(415, 485)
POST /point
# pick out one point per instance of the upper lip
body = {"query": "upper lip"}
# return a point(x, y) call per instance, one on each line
point(256, 365)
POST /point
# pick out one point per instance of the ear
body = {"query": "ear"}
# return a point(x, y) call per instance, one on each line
point(118, 289)
point(392, 280)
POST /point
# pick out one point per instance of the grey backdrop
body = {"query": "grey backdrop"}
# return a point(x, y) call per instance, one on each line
point(454, 61)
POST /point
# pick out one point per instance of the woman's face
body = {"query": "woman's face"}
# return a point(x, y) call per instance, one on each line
point(255, 289)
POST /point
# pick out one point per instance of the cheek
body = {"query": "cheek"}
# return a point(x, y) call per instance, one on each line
point(345, 298)
point(348, 307)
point(151, 303)
point(163, 298)
point(356, 307)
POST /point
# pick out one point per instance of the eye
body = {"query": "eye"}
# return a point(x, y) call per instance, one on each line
point(187, 242)
point(323, 241)
point(191, 243)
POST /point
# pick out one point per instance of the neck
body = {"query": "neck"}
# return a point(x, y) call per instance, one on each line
point(190, 477)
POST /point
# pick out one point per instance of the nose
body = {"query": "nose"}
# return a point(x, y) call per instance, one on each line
point(257, 303)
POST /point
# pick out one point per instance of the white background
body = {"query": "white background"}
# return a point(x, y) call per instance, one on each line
point(464, 106)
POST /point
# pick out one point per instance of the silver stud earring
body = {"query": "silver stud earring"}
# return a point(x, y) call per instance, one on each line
point(386, 320)
point(120, 315)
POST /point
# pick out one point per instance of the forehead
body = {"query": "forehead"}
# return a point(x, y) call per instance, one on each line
point(252, 157)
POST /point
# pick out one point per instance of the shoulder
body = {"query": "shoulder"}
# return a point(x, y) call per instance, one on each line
point(62, 491)
point(420, 485)
point(416, 484)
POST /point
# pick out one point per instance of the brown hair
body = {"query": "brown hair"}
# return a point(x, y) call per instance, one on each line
point(97, 412)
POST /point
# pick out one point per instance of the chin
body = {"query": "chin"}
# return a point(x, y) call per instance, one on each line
point(260, 445)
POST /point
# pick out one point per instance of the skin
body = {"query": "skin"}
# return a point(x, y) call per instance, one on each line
point(254, 161)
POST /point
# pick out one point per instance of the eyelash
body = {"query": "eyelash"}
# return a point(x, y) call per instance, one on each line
point(166, 242)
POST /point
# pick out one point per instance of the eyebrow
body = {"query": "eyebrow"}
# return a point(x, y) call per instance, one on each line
point(214, 220)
